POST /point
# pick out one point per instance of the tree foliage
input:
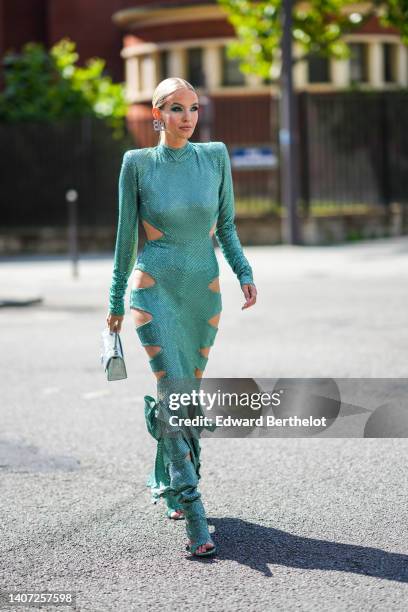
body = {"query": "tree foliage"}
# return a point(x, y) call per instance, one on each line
point(43, 85)
point(318, 28)
point(394, 13)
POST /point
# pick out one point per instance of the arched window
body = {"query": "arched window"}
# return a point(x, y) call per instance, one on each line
point(231, 74)
point(358, 62)
point(318, 69)
point(164, 64)
point(390, 62)
point(195, 71)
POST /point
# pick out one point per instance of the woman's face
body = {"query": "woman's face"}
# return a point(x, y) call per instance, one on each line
point(180, 115)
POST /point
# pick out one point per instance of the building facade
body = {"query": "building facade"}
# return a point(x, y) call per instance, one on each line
point(189, 39)
point(145, 41)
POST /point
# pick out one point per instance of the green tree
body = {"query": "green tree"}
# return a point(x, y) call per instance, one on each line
point(318, 28)
point(43, 85)
point(394, 13)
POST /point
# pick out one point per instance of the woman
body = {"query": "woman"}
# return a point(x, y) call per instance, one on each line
point(182, 192)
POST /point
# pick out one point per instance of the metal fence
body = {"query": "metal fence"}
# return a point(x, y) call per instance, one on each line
point(353, 151)
point(41, 162)
point(353, 148)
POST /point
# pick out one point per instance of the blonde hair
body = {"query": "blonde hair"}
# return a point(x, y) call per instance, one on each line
point(165, 88)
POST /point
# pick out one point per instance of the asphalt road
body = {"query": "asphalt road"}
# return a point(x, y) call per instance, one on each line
point(300, 524)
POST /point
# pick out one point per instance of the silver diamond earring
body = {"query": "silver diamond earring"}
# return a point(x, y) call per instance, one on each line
point(159, 125)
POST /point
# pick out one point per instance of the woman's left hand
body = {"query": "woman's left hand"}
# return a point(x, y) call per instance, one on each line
point(250, 293)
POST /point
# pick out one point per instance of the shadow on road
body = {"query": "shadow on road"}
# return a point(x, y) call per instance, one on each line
point(257, 547)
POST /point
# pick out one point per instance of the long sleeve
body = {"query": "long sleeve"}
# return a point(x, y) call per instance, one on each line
point(127, 234)
point(226, 233)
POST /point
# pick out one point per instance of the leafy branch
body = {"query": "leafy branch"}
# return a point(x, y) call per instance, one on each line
point(318, 28)
point(43, 85)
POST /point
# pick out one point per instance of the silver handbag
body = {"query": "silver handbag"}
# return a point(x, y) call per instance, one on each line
point(112, 357)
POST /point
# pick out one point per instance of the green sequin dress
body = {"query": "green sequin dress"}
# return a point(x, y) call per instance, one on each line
point(186, 193)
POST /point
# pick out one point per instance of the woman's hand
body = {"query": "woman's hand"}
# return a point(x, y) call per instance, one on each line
point(114, 322)
point(250, 293)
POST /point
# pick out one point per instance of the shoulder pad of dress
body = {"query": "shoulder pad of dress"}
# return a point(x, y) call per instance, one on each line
point(218, 145)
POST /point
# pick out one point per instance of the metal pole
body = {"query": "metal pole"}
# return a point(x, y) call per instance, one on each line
point(287, 134)
point(71, 197)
